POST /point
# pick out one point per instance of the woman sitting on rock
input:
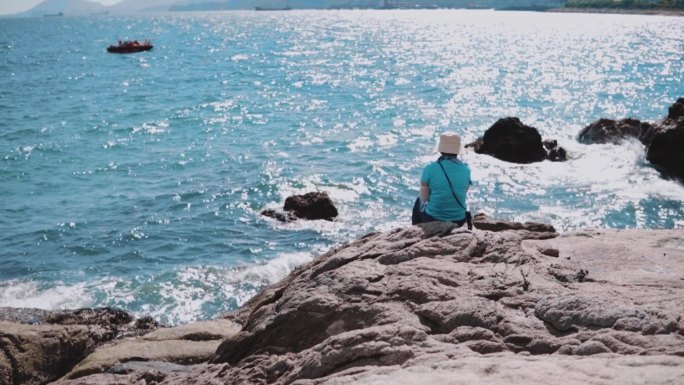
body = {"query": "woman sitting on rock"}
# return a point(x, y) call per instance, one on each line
point(443, 185)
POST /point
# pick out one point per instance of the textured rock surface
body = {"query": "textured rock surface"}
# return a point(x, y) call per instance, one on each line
point(443, 305)
point(185, 345)
point(37, 346)
point(510, 140)
point(440, 305)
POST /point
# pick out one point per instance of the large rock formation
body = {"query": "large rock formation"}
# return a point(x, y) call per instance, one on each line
point(663, 140)
point(443, 305)
point(667, 141)
point(510, 140)
point(613, 131)
point(313, 205)
point(437, 304)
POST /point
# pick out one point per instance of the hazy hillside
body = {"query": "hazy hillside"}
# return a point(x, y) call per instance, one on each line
point(84, 7)
point(127, 6)
point(67, 7)
point(250, 4)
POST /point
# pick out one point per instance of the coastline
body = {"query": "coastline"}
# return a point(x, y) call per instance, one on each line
point(660, 12)
point(507, 303)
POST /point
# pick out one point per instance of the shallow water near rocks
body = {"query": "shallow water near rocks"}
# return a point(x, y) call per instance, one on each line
point(136, 181)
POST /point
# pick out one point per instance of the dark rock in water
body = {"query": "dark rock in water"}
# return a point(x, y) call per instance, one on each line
point(557, 154)
point(663, 140)
point(510, 140)
point(550, 144)
point(666, 150)
point(313, 205)
point(279, 215)
point(554, 152)
point(676, 110)
point(613, 131)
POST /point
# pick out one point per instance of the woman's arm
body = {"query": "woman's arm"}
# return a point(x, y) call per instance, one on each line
point(424, 192)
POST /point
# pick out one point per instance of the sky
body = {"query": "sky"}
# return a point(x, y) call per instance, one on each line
point(14, 6)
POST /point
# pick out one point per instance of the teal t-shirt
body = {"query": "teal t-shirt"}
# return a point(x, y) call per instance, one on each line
point(442, 205)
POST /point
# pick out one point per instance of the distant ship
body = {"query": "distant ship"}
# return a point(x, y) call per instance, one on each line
point(54, 14)
point(272, 9)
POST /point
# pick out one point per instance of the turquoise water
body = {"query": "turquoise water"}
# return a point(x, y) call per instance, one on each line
point(136, 180)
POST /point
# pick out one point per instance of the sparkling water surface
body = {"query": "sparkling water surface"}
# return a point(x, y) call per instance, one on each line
point(136, 181)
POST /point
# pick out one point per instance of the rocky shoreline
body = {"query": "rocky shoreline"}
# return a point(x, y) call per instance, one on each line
point(621, 11)
point(507, 303)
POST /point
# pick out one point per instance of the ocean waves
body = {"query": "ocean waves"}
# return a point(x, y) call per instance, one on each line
point(137, 181)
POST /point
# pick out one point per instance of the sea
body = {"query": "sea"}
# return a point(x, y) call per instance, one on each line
point(137, 181)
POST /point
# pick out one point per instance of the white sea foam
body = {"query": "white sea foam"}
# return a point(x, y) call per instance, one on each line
point(269, 272)
point(176, 299)
point(17, 293)
point(239, 57)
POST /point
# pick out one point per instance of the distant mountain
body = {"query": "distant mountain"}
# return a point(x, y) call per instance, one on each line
point(67, 7)
point(129, 6)
point(84, 7)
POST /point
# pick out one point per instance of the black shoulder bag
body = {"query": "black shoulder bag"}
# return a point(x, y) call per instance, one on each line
point(469, 218)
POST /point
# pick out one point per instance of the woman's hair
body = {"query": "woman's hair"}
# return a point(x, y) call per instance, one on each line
point(446, 155)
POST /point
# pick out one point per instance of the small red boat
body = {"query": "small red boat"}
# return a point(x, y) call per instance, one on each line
point(129, 46)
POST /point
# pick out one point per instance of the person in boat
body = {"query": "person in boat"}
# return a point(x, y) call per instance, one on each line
point(444, 184)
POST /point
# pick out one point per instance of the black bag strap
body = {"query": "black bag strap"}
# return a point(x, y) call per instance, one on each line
point(450, 186)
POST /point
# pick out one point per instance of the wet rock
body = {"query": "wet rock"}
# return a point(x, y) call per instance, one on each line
point(613, 131)
point(101, 316)
point(665, 151)
point(512, 141)
point(278, 215)
point(554, 152)
point(676, 110)
point(313, 205)
point(146, 324)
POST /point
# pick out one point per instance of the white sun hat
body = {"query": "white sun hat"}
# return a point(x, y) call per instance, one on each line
point(449, 143)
